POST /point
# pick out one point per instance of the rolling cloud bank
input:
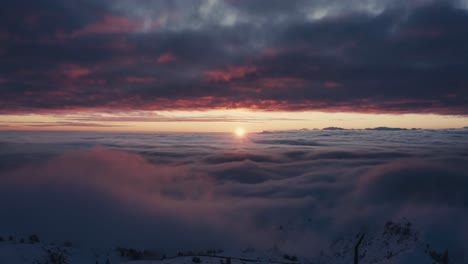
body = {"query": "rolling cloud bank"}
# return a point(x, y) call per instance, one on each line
point(295, 190)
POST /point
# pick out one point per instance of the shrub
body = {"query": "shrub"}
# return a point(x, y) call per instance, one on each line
point(55, 256)
point(290, 257)
point(133, 254)
point(34, 239)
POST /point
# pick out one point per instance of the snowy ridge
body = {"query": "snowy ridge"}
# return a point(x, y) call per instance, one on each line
point(396, 243)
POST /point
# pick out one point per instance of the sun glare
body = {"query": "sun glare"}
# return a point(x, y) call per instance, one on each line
point(240, 132)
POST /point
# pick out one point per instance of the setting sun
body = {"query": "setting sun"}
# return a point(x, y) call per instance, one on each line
point(240, 132)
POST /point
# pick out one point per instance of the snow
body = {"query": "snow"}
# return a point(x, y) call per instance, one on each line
point(23, 253)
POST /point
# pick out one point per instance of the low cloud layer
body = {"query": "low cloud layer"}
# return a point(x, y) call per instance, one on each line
point(362, 55)
point(173, 192)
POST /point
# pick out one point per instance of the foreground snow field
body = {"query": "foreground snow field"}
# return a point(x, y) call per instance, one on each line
point(396, 243)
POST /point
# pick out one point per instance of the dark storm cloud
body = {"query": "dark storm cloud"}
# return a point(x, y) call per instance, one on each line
point(366, 56)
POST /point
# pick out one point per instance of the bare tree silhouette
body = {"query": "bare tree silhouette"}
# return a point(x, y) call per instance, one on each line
point(356, 248)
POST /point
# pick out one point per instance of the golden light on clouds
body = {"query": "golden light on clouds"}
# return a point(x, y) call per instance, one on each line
point(240, 132)
point(220, 121)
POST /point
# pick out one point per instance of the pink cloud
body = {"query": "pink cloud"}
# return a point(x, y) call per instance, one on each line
point(135, 79)
point(278, 82)
point(233, 72)
point(128, 177)
point(165, 58)
point(73, 71)
point(94, 81)
point(270, 52)
point(115, 24)
point(4, 35)
point(118, 182)
point(331, 84)
point(121, 44)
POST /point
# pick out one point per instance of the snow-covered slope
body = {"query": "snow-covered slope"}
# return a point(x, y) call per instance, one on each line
point(398, 249)
point(41, 253)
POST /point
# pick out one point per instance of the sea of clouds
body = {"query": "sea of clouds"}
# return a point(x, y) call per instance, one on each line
point(293, 190)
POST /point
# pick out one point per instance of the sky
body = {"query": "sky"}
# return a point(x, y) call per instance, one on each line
point(212, 65)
